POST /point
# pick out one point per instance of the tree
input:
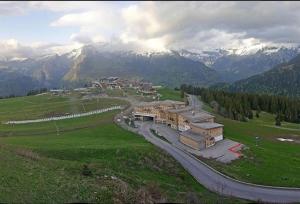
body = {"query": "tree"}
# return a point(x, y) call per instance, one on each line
point(181, 93)
point(278, 120)
point(257, 113)
point(239, 106)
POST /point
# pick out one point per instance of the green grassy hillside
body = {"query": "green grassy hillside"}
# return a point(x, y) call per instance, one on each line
point(272, 162)
point(40, 166)
point(32, 107)
point(171, 94)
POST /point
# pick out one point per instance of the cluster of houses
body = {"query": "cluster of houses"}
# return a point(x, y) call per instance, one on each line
point(141, 86)
point(198, 129)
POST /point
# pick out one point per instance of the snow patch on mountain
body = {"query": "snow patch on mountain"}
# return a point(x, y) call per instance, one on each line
point(74, 53)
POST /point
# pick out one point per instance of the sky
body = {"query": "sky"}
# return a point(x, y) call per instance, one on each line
point(31, 28)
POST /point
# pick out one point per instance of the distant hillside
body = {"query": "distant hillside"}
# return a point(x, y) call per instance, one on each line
point(92, 62)
point(12, 83)
point(283, 79)
point(237, 64)
point(169, 68)
point(236, 67)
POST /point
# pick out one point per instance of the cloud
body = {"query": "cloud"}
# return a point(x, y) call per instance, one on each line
point(11, 48)
point(65, 6)
point(9, 8)
point(171, 25)
point(202, 25)
point(96, 25)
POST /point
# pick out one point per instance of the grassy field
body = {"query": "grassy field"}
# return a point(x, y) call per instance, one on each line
point(32, 107)
point(171, 94)
point(271, 162)
point(138, 96)
point(114, 92)
point(40, 166)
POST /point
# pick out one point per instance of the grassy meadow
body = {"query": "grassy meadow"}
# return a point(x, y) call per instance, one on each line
point(90, 160)
point(171, 94)
point(271, 162)
point(47, 105)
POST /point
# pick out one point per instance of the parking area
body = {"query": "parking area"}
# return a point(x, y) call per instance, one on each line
point(223, 151)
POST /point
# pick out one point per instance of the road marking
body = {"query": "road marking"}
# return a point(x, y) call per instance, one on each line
point(232, 149)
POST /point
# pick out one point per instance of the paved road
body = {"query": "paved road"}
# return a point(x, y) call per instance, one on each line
point(220, 183)
point(215, 181)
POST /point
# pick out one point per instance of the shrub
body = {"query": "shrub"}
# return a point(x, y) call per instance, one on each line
point(86, 170)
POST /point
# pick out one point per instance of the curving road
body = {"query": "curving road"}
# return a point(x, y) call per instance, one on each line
point(219, 183)
point(214, 180)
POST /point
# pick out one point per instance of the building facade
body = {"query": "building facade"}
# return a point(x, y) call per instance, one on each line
point(198, 130)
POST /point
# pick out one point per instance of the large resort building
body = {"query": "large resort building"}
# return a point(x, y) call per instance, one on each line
point(197, 129)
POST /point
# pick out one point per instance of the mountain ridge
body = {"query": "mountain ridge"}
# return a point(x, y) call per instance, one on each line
point(283, 79)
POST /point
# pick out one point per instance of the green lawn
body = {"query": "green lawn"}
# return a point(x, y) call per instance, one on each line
point(39, 166)
point(171, 94)
point(32, 107)
point(271, 162)
point(114, 92)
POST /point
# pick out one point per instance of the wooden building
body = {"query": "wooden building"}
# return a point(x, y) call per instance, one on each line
point(197, 129)
point(214, 130)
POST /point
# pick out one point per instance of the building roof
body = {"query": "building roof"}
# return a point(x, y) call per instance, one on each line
point(196, 116)
point(207, 125)
point(192, 135)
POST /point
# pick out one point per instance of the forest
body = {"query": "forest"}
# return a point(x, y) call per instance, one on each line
point(245, 106)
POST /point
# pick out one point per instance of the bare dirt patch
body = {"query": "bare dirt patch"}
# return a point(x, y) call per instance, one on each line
point(27, 154)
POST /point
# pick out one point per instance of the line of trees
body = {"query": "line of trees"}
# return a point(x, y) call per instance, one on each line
point(245, 106)
point(29, 93)
point(37, 91)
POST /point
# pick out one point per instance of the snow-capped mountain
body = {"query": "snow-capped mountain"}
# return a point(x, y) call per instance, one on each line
point(206, 57)
point(171, 68)
point(168, 68)
point(236, 64)
point(234, 67)
point(95, 61)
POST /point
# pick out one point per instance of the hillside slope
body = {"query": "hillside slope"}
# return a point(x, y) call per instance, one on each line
point(283, 79)
point(236, 67)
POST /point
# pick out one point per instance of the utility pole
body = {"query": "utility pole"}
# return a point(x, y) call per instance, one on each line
point(193, 97)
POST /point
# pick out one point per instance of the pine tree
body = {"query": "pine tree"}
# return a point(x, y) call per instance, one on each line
point(278, 120)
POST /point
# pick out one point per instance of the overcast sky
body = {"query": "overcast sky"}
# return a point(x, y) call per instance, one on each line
point(28, 28)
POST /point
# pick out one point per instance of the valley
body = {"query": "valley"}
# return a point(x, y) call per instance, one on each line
point(169, 68)
point(93, 139)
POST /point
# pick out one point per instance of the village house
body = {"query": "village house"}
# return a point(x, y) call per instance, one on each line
point(146, 88)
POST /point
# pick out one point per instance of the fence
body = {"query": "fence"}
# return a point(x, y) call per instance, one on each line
point(64, 117)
